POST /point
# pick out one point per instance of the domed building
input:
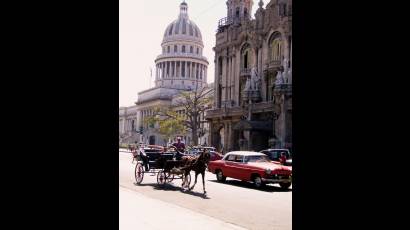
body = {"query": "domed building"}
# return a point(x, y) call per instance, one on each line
point(181, 64)
point(180, 67)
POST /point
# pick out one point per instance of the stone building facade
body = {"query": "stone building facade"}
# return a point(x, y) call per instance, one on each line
point(180, 67)
point(253, 78)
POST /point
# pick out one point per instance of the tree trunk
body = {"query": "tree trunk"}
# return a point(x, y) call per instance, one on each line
point(195, 136)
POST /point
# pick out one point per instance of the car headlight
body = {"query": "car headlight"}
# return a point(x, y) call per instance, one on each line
point(268, 171)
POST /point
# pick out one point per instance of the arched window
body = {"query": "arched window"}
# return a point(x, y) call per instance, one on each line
point(246, 60)
point(275, 47)
point(183, 49)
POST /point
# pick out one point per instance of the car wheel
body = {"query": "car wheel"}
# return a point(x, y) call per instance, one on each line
point(257, 181)
point(285, 185)
point(220, 177)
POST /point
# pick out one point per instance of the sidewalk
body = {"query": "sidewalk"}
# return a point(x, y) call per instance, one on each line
point(138, 212)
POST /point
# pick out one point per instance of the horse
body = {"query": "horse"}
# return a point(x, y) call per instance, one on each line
point(198, 165)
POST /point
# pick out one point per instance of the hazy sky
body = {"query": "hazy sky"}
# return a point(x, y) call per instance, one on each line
point(142, 26)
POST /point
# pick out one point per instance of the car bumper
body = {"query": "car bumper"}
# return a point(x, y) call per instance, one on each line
point(287, 180)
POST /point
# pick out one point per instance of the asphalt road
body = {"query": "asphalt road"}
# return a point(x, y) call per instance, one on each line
point(233, 202)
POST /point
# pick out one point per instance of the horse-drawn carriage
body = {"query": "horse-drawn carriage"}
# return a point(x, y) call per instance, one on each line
point(165, 163)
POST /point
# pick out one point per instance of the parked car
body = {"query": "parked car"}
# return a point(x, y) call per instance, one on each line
point(215, 156)
point(274, 155)
point(251, 166)
point(194, 151)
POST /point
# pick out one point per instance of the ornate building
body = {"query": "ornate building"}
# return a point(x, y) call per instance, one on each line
point(180, 67)
point(253, 78)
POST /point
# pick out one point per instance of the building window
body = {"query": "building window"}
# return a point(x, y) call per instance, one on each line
point(182, 82)
point(183, 49)
point(237, 12)
point(246, 56)
point(169, 48)
point(191, 49)
point(245, 12)
point(275, 47)
point(197, 50)
point(175, 48)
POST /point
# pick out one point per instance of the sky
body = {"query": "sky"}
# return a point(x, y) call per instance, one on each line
point(142, 24)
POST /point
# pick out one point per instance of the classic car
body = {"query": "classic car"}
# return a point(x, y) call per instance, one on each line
point(274, 155)
point(251, 166)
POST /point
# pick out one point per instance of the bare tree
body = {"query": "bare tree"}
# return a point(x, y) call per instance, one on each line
point(193, 104)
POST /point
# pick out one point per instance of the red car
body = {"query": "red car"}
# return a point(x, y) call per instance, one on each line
point(215, 156)
point(251, 166)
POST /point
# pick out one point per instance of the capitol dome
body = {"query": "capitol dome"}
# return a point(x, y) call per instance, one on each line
point(181, 64)
point(182, 28)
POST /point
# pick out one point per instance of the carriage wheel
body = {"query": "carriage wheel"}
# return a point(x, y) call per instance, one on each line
point(161, 177)
point(139, 173)
point(169, 176)
point(188, 180)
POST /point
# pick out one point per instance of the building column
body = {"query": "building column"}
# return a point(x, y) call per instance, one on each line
point(175, 69)
point(191, 66)
point(163, 69)
point(228, 79)
point(186, 69)
point(180, 69)
point(156, 71)
point(206, 74)
point(226, 136)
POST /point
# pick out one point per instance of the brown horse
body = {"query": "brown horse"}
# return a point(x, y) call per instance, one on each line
point(198, 165)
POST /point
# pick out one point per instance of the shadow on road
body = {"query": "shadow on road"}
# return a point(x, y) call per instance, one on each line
point(172, 187)
point(243, 184)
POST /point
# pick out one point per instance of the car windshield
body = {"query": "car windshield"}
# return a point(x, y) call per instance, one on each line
point(257, 159)
point(277, 153)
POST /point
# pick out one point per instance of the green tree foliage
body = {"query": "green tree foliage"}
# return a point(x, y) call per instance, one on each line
point(171, 123)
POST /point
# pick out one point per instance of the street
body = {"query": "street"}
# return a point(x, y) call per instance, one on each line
point(230, 205)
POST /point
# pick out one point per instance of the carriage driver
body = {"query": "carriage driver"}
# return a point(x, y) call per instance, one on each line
point(179, 146)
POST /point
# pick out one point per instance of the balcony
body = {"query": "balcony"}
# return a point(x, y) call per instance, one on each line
point(273, 64)
point(245, 72)
point(227, 104)
point(224, 22)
